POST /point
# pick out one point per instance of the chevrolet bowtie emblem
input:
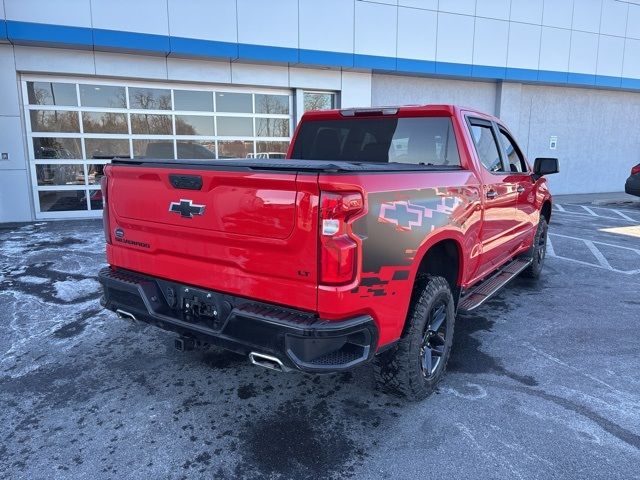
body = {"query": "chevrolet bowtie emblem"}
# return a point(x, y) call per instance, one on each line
point(186, 208)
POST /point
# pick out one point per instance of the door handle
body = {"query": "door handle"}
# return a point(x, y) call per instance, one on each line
point(520, 189)
point(491, 194)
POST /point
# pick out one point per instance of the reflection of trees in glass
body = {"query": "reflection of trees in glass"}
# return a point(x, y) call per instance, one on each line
point(266, 147)
point(54, 121)
point(272, 127)
point(318, 101)
point(184, 128)
point(150, 98)
point(150, 124)
point(105, 122)
point(50, 93)
point(272, 104)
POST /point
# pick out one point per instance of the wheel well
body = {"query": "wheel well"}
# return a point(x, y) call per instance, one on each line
point(546, 211)
point(443, 260)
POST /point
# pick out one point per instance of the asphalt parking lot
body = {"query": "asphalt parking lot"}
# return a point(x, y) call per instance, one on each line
point(544, 381)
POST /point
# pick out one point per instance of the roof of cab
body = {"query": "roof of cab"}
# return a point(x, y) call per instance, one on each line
point(411, 110)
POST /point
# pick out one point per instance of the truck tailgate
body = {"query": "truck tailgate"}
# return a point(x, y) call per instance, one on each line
point(239, 231)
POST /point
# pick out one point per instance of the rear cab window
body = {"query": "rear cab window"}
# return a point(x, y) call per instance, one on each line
point(412, 140)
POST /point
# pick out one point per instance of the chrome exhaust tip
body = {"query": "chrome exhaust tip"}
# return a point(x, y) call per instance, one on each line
point(267, 361)
point(126, 315)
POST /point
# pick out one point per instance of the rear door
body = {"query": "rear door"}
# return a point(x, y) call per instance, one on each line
point(499, 227)
point(240, 231)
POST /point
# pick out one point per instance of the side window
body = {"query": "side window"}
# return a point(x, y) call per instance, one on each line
point(486, 147)
point(516, 160)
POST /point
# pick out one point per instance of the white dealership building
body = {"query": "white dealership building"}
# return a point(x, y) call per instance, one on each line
point(84, 80)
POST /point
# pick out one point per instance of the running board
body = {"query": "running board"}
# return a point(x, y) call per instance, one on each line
point(492, 285)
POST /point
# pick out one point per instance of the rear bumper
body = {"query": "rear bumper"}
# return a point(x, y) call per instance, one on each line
point(300, 340)
point(632, 186)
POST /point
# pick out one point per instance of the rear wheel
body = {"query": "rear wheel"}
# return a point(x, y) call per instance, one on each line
point(539, 250)
point(413, 368)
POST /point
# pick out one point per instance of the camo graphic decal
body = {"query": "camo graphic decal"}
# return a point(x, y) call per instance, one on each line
point(395, 226)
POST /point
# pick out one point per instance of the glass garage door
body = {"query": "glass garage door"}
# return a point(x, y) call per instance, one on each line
point(74, 127)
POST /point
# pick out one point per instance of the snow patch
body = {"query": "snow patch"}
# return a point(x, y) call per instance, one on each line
point(70, 290)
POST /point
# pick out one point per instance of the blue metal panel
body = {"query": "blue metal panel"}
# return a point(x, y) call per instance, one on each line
point(130, 41)
point(191, 47)
point(552, 77)
point(481, 71)
point(630, 83)
point(415, 66)
point(50, 35)
point(27, 33)
point(522, 74)
point(454, 69)
point(581, 79)
point(328, 59)
point(374, 62)
point(606, 81)
point(267, 53)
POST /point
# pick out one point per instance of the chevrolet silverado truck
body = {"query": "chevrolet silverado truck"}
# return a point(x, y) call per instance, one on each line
point(360, 246)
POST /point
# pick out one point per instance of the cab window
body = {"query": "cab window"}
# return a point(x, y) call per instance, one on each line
point(486, 145)
point(516, 162)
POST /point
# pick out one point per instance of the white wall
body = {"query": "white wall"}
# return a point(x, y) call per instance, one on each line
point(404, 90)
point(15, 199)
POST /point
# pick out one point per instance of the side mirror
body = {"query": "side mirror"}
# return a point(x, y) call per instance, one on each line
point(545, 166)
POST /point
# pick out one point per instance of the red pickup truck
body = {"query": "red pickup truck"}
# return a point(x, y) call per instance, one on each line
point(359, 246)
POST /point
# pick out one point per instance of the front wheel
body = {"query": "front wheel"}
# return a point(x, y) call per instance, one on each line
point(539, 250)
point(413, 368)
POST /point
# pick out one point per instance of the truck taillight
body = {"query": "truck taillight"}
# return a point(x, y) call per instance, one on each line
point(635, 170)
point(338, 246)
point(104, 184)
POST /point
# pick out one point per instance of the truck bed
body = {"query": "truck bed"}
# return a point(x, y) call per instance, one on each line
point(324, 166)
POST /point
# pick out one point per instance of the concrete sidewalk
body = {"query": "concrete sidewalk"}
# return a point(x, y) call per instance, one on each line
point(599, 198)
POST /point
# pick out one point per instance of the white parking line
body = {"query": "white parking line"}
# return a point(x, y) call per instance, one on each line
point(598, 254)
point(603, 263)
point(626, 217)
point(561, 209)
point(591, 212)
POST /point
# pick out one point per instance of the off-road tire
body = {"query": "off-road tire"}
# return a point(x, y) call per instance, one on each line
point(538, 255)
point(398, 371)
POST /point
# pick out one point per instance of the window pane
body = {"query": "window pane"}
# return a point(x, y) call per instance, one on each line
point(103, 96)
point(235, 126)
point(106, 148)
point(428, 141)
point(193, 101)
point(95, 199)
point(50, 93)
point(54, 121)
point(62, 200)
point(272, 127)
point(194, 125)
point(153, 149)
point(516, 161)
point(44, 148)
point(272, 149)
point(94, 173)
point(318, 101)
point(272, 103)
point(72, 174)
point(235, 149)
point(148, 124)
point(98, 122)
point(234, 102)
point(202, 149)
point(150, 98)
point(486, 147)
